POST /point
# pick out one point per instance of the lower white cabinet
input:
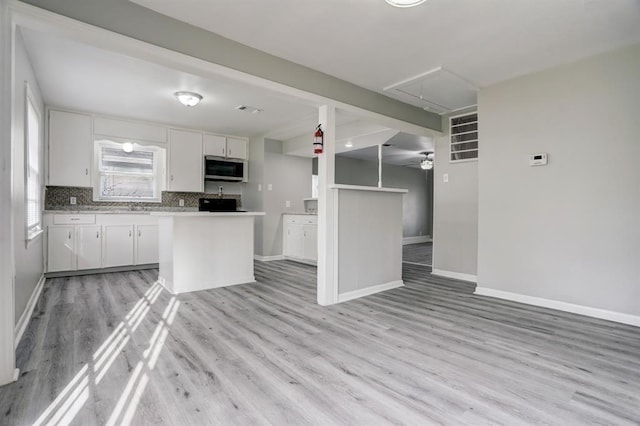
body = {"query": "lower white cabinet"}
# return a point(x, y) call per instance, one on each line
point(61, 248)
point(300, 237)
point(118, 246)
point(89, 250)
point(146, 244)
point(94, 241)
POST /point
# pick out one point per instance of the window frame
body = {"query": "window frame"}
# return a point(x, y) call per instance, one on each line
point(477, 140)
point(32, 231)
point(159, 168)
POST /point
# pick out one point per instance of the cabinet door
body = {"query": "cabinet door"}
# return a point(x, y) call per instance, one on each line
point(237, 148)
point(147, 244)
point(70, 149)
point(185, 161)
point(310, 246)
point(117, 245)
point(215, 145)
point(293, 240)
point(89, 247)
point(60, 249)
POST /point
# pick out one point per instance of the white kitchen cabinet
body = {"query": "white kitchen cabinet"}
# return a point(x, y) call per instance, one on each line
point(89, 247)
point(61, 248)
point(220, 146)
point(237, 148)
point(185, 161)
point(117, 245)
point(146, 244)
point(215, 145)
point(70, 149)
point(310, 242)
point(129, 129)
point(300, 237)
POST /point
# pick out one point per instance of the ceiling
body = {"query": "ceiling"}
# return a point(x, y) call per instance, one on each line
point(82, 77)
point(79, 76)
point(374, 45)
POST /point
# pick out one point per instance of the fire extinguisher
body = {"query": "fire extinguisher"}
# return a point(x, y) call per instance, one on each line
point(318, 140)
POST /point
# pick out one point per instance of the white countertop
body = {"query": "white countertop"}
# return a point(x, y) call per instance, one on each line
point(207, 214)
point(369, 188)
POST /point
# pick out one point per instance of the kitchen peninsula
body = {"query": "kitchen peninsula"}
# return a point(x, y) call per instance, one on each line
point(203, 250)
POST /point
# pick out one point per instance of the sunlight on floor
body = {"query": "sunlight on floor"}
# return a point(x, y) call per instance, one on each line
point(70, 401)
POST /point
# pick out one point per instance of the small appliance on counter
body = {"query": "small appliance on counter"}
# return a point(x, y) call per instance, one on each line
point(218, 205)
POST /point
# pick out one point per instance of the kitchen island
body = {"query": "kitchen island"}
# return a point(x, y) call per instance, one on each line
point(203, 250)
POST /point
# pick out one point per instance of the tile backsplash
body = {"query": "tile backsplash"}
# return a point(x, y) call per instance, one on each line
point(57, 198)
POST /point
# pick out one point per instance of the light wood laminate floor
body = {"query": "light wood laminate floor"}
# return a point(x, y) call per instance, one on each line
point(116, 349)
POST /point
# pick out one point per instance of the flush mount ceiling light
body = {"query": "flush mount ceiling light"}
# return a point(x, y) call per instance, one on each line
point(349, 144)
point(405, 3)
point(127, 147)
point(427, 162)
point(189, 99)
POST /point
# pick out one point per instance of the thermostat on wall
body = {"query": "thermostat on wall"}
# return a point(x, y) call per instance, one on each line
point(538, 159)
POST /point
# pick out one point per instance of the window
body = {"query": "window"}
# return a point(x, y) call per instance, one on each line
point(128, 171)
point(32, 167)
point(464, 137)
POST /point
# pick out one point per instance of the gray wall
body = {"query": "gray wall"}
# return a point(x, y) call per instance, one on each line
point(417, 214)
point(568, 231)
point(29, 261)
point(455, 216)
point(125, 17)
point(252, 199)
point(290, 180)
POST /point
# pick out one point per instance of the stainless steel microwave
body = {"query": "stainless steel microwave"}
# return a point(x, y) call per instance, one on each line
point(224, 169)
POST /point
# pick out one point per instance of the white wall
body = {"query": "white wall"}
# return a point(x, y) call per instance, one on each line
point(7, 353)
point(417, 211)
point(29, 263)
point(252, 199)
point(290, 180)
point(455, 215)
point(568, 231)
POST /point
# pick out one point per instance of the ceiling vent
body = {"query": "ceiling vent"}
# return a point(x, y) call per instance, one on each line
point(438, 90)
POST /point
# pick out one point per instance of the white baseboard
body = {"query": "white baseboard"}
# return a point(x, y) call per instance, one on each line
point(268, 258)
point(561, 306)
point(355, 294)
point(416, 240)
point(23, 322)
point(455, 275)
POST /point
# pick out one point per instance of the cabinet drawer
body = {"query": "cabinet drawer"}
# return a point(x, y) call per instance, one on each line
point(313, 220)
point(71, 219)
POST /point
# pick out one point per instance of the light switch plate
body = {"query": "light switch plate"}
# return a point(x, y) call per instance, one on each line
point(287, 203)
point(269, 187)
point(72, 200)
point(445, 177)
point(259, 187)
point(181, 202)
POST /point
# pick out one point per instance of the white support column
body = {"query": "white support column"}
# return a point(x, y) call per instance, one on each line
point(7, 320)
point(327, 220)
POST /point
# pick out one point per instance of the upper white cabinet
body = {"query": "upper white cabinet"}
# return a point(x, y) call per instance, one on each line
point(215, 145)
point(221, 146)
point(70, 149)
point(185, 161)
point(237, 148)
point(129, 129)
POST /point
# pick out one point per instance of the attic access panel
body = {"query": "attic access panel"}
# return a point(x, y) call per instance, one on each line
point(438, 90)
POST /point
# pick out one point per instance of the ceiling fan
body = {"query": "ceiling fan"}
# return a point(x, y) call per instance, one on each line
point(426, 161)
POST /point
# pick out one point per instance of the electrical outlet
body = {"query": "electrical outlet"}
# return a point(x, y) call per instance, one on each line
point(287, 204)
point(445, 177)
point(72, 200)
point(269, 187)
point(181, 202)
point(259, 187)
